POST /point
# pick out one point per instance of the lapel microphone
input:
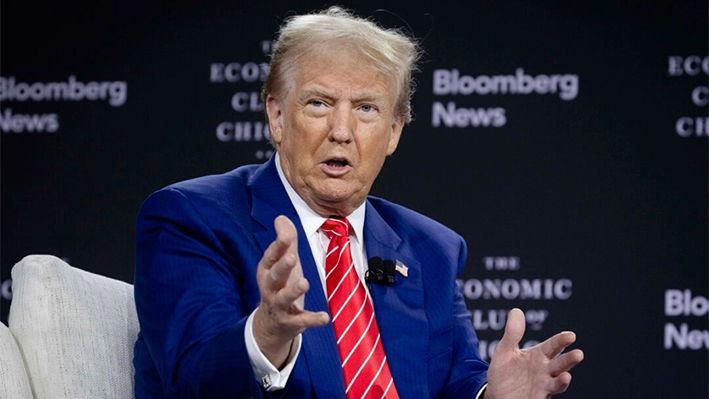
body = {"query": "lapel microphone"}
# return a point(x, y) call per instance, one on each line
point(380, 271)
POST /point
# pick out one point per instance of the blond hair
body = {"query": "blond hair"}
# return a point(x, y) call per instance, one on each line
point(390, 51)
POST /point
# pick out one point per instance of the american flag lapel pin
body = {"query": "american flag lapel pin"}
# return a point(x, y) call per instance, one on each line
point(402, 269)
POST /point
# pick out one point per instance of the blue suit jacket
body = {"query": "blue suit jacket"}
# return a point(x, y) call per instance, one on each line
point(198, 246)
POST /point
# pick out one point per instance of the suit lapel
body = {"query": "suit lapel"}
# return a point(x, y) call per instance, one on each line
point(319, 348)
point(399, 308)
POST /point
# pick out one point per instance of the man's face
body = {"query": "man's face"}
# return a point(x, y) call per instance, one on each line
point(334, 127)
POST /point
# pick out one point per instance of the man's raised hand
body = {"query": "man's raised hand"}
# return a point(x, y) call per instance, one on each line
point(280, 316)
point(533, 373)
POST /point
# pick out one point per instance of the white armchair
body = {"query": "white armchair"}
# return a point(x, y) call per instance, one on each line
point(75, 332)
point(13, 374)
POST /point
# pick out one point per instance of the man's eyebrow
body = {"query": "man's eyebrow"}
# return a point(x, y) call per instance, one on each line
point(315, 92)
point(368, 96)
point(372, 96)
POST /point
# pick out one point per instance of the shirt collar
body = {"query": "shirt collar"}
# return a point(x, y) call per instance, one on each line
point(310, 220)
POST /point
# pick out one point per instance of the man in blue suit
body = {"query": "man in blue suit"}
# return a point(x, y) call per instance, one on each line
point(230, 280)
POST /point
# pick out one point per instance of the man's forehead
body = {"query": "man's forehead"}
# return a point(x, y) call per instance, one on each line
point(339, 67)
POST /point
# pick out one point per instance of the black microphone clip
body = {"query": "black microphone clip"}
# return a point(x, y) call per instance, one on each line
point(380, 271)
point(389, 272)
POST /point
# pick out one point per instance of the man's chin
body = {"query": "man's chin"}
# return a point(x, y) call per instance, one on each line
point(335, 202)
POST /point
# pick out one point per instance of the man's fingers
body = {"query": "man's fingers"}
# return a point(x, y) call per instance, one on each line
point(559, 384)
point(285, 230)
point(286, 297)
point(291, 323)
point(565, 362)
point(278, 276)
point(280, 257)
point(286, 237)
point(312, 319)
point(514, 330)
point(556, 344)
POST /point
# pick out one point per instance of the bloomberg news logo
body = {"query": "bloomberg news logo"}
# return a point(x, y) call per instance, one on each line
point(114, 93)
point(450, 82)
point(687, 305)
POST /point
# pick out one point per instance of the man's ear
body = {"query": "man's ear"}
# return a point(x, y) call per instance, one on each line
point(275, 112)
point(396, 127)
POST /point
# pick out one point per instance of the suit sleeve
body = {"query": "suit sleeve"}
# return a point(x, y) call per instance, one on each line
point(469, 372)
point(190, 301)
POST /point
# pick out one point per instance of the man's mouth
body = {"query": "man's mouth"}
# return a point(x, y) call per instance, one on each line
point(337, 163)
point(336, 167)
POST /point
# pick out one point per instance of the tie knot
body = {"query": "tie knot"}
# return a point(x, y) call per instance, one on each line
point(336, 227)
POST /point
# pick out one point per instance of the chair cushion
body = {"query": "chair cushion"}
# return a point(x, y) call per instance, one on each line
point(12, 369)
point(75, 329)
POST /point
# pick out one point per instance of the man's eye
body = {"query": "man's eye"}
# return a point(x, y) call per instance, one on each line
point(316, 103)
point(367, 108)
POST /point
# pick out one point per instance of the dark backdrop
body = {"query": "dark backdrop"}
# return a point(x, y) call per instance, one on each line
point(580, 184)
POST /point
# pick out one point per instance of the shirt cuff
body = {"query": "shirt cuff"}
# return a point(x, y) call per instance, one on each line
point(267, 374)
point(481, 392)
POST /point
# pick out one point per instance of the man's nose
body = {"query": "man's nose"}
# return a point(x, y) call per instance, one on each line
point(343, 125)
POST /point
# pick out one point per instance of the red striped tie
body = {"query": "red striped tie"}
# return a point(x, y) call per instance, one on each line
point(364, 363)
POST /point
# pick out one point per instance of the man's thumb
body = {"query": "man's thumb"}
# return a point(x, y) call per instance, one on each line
point(514, 330)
